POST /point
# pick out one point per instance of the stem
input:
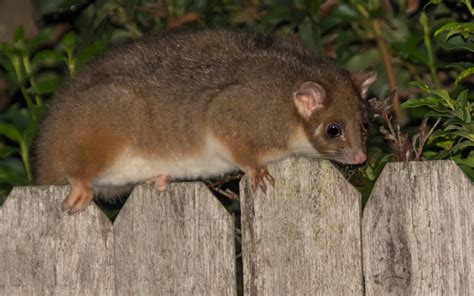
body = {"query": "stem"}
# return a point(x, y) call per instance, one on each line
point(388, 121)
point(384, 51)
point(19, 77)
point(17, 65)
point(29, 102)
point(25, 157)
point(424, 137)
point(70, 64)
point(429, 50)
point(29, 72)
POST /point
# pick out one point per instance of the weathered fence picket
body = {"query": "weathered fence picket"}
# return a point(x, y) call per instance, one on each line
point(306, 236)
point(178, 242)
point(418, 231)
point(45, 252)
point(303, 236)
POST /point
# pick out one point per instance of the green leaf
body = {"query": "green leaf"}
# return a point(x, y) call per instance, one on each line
point(461, 146)
point(464, 29)
point(19, 36)
point(12, 172)
point(398, 31)
point(460, 65)
point(453, 120)
point(468, 171)
point(374, 170)
point(468, 161)
point(462, 111)
point(443, 140)
point(7, 151)
point(91, 52)
point(42, 38)
point(359, 61)
point(46, 83)
point(69, 42)
point(47, 57)
point(421, 85)
point(7, 64)
point(443, 154)
point(29, 134)
point(444, 95)
point(464, 74)
point(461, 100)
point(7, 50)
point(438, 114)
point(469, 7)
point(369, 171)
point(413, 103)
point(409, 50)
point(38, 112)
point(11, 132)
point(466, 134)
point(468, 126)
point(309, 32)
point(18, 117)
point(429, 155)
point(346, 12)
point(100, 16)
point(456, 43)
point(452, 127)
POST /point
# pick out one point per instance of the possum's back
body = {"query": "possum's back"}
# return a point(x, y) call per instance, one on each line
point(157, 75)
point(176, 68)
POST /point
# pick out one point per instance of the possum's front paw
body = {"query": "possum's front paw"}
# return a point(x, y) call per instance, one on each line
point(78, 199)
point(258, 179)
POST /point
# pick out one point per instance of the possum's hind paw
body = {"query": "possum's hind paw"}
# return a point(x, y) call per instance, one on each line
point(258, 179)
point(161, 182)
point(78, 199)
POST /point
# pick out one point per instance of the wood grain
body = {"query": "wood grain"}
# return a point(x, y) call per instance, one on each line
point(43, 251)
point(177, 242)
point(418, 231)
point(303, 236)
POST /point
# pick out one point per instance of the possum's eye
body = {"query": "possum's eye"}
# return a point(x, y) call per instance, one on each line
point(334, 130)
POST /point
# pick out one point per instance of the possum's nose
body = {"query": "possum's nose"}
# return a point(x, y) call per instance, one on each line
point(359, 157)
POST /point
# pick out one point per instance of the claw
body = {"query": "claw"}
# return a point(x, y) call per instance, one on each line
point(259, 177)
point(262, 185)
point(266, 175)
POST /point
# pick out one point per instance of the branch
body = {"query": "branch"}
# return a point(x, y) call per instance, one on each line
point(384, 51)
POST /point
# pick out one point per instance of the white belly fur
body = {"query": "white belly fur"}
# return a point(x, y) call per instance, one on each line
point(131, 167)
point(216, 160)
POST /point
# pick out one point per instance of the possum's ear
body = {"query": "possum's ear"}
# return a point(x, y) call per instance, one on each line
point(362, 80)
point(309, 98)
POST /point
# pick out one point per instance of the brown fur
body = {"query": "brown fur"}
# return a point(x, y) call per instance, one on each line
point(161, 95)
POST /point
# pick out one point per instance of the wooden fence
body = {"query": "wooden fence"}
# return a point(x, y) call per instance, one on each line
point(306, 236)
